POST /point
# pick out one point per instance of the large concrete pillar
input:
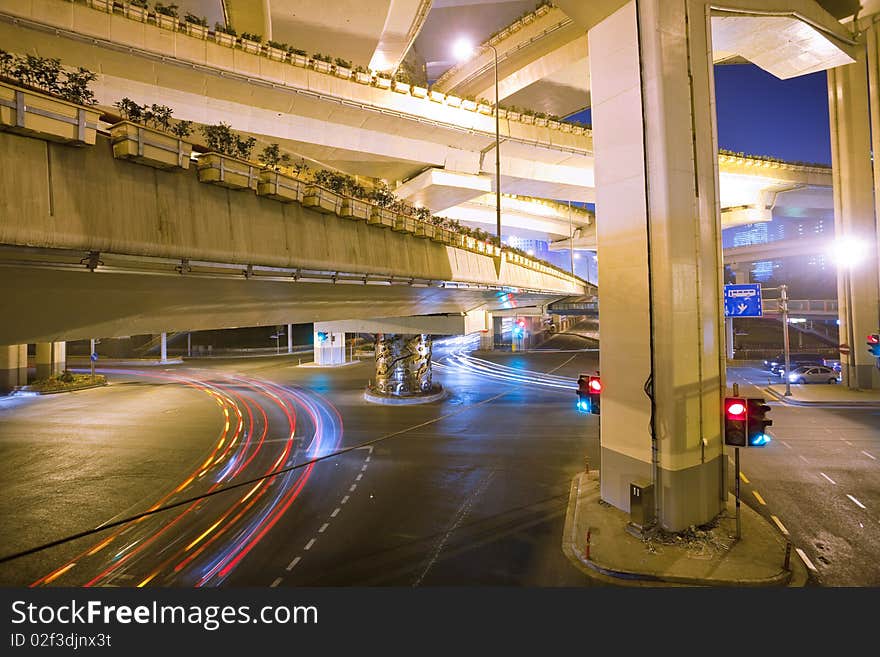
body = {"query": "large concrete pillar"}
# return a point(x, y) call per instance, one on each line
point(290, 338)
point(51, 359)
point(403, 366)
point(13, 366)
point(163, 348)
point(659, 237)
point(854, 217)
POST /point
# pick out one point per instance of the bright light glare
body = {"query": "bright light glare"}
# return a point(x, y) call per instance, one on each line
point(736, 408)
point(848, 252)
point(462, 49)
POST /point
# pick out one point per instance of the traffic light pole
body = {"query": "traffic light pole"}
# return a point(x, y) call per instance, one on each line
point(736, 490)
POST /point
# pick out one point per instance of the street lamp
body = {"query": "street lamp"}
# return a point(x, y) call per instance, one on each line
point(463, 50)
point(848, 253)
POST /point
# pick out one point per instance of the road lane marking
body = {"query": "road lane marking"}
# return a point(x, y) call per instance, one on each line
point(324, 527)
point(847, 442)
point(779, 524)
point(856, 501)
point(828, 478)
point(345, 499)
point(359, 477)
point(335, 512)
point(759, 498)
point(364, 468)
point(743, 477)
point(785, 443)
point(310, 544)
point(873, 458)
point(367, 460)
point(275, 583)
point(352, 488)
point(293, 563)
point(806, 560)
point(803, 458)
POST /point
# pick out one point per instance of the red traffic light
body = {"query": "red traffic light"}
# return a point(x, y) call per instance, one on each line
point(595, 384)
point(522, 323)
point(735, 409)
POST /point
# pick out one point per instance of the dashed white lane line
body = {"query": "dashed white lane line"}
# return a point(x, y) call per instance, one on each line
point(785, 443)
point(275, 583)
point(856, 501)
point(873, 458)
point(779, 524)
point(352, 488)
point(345, 499)
point(324, 527)
point(848, 443)
point(803, 458)
point(359, 477)
point(293, 563)
point(364, 468)
point(806, 560)
point(309, 544)
point(367, 460)
point(335, 512)
point(828, 478)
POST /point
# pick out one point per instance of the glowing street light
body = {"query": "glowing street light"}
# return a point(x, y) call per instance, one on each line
point(463, 49)
point(848, 253)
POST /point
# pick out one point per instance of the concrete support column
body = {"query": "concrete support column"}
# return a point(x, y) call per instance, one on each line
point(858, 289)
point(290, 338)
point(659, 237)
point(403, 365)
point(163, 348)
point(51, 359)
point(13, 366)
point(329, 348)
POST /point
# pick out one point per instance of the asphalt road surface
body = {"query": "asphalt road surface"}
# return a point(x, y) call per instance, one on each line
point(469, 490)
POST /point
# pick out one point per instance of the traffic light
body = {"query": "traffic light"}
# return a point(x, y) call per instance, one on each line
point(519, 328)
point(594, 390)
point(757, 423)
point(874, 344)
point(735, 421)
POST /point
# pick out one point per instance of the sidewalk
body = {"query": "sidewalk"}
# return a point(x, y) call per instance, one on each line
point(816, 394)
point(81, 362)
point(710, 557)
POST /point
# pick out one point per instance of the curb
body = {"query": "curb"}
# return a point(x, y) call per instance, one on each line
point(820, 404)
point(618, 577)
point(56, 392)
point(404, 401)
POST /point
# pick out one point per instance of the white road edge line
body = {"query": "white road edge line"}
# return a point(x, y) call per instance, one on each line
point(345, 499)
point(292, 564)
point(856, 501)
point(806, 560)
point(335, 512)
point(275, 583)
point(359, 477)
point(828, 478)
point(873, 458)
point(310, 544)
point(785, 443)
point(324, 527)
point(352, 488)
point(364, 468)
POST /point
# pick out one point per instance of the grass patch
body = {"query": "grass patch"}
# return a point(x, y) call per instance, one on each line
point(66, 381)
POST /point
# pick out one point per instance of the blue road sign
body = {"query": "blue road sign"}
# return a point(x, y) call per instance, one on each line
point(94, 356)
point(743, 300)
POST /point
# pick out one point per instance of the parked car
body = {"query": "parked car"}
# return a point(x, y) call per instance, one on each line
point(777, 363)
point(813, 374)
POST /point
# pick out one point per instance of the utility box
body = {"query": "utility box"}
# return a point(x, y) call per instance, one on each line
point(641, 503)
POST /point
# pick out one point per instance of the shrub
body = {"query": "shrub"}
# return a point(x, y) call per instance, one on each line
point(182, 129)
point(195, 20)
point(225, 29)
point(273, 158)
point(47, 75)
point(166, 10)
point(252, 37)
point(342, 63)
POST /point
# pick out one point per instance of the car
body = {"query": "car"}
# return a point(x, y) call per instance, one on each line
point(777, 364)
point(813, 374)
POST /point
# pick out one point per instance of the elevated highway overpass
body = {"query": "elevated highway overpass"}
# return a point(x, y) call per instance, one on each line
point(439, 147)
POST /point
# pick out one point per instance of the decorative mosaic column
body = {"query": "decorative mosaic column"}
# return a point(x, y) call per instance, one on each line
point(403, 369)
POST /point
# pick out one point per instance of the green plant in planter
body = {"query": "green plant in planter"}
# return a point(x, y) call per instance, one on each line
point(195, 20)
point(159, 116)
point(182, 129)
point(298, 51)
point(382, 196)
point(225, 29)
point(360, 69)
point(130, 110)
point(273, 158)
point(322, 58)
point(75, 87)
point(279, 46)
point(342, 63)
point(39, 72)
point(483, 101)
point(166, 10)
point(252, 37)
point(138, 3)
point(46, 74)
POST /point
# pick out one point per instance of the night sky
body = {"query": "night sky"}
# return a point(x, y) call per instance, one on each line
point(759, 114)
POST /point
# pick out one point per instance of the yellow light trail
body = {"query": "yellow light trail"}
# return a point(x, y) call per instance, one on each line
point(147, 581)
point(205, 533)
point(58, 573)
point(100, 546)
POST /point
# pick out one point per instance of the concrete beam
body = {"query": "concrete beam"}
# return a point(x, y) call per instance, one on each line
point(430, 324)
